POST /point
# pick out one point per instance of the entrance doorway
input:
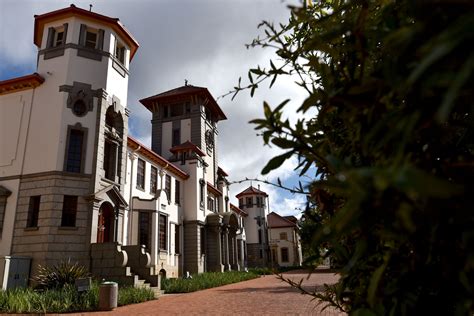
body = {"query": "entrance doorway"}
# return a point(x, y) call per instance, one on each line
point(105, 226)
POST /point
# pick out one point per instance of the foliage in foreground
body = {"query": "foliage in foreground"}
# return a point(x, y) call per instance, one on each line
point(392, 143)
point(65, 299)
point(59, 275)
point(205, 280)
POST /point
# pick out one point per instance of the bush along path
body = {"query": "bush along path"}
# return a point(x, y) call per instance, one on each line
point(205, 280)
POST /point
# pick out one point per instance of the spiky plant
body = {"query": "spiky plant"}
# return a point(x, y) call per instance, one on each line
point(58, 275)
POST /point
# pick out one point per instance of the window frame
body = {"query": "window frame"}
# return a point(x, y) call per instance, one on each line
point(153, 179)
point(177, 192)
point(287, 255)
point(68, 150)
point(283, 236)
point(69, 211)
point(168, 187)
point(162, 233)
point(33, 211)
point(141, 171)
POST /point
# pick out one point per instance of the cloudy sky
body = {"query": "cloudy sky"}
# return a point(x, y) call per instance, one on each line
point(202, 41)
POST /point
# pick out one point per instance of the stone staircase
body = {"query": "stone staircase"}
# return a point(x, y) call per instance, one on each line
point(129, 265)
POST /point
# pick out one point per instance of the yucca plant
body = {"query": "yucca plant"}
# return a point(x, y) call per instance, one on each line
point(57, 276)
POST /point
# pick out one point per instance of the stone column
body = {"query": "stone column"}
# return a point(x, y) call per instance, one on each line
point(154, 252)
point(242, 254)
point(226, 249)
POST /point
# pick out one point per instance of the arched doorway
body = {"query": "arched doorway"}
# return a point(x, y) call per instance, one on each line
point(105, 226)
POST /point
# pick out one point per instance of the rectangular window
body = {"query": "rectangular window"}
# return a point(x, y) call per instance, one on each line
point(68, 218)
point(249, 202)
point(241, 202)
point(120, 52)
point(145, 229)
point(168, 187)
point(177, 192)
point(259, 236)
point(163, 232)
point(176, 137)
point(153, 180)
point(141, 174)
point(284, 255)
point(259, 201)
point(176, 109)
point(201, 192)
point(283, 236)
point(74, 151)
point(176, 239)
point(261, 254)
point(210, 204)
point(91, 39)
point(59, 38)
point(33, 211)
point(203, 240)
point(110, 155)
point(166, 112)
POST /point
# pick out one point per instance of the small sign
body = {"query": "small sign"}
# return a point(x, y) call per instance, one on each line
point(83, 284)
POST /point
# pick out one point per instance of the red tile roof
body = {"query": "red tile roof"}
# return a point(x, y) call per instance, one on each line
point(276, 221)
point(187, 90)
point(238, 210)
point(187, 146)
point(20, 83)
point(251, 191)
point(114, 23)
point(150, 154)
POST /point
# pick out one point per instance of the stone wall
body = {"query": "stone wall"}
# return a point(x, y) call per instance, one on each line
point(49, 243)
point(253, 256)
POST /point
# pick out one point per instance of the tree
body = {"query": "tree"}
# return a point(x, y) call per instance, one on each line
point(393, 145)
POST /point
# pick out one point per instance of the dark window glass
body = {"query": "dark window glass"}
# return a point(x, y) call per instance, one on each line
point(68, 218)
point(163, 232)
point(153, 179)
point(203, 240)
point(145, 228)
point(74, 151)
point(33, 211)
point(177, 192)
point(210, 204)
point(141, 174)
point(176, 137)
point(249, 202)
point(241, 203)
point(110, 155)
point(283, 236)
point(176, 239)
point(168, 187)
point(176, 109)
point(91, 39)
point(201, 192)
point(284, 255)
point(259, 236)
point(120, 52)
point(59, 39)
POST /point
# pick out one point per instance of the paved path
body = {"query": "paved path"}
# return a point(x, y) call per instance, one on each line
point(263, 296)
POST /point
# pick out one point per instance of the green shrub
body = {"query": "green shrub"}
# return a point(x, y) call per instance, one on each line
point(65, 299)
point(205, 280)
point(132, 295)
point(55, 276)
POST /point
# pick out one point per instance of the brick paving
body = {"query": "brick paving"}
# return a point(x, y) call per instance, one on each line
point(263, 296)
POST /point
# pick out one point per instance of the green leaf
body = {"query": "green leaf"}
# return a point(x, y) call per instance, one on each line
point(276, 162)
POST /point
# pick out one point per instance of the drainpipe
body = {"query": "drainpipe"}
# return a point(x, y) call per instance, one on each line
point(132, 157)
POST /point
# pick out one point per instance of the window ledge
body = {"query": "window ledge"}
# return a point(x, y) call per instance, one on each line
point(68, 228)
point(31, 228)
point(139, 188)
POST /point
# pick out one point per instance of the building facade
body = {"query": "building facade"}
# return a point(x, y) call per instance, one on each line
point(284, 241)
point(74, 185)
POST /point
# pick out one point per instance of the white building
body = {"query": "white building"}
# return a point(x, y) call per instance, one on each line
point(74, 185)
point(284, 240)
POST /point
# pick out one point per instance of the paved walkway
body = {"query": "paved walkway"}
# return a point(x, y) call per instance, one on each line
point(263, 296)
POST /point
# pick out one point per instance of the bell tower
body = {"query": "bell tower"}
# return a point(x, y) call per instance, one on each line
point(76, 142)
